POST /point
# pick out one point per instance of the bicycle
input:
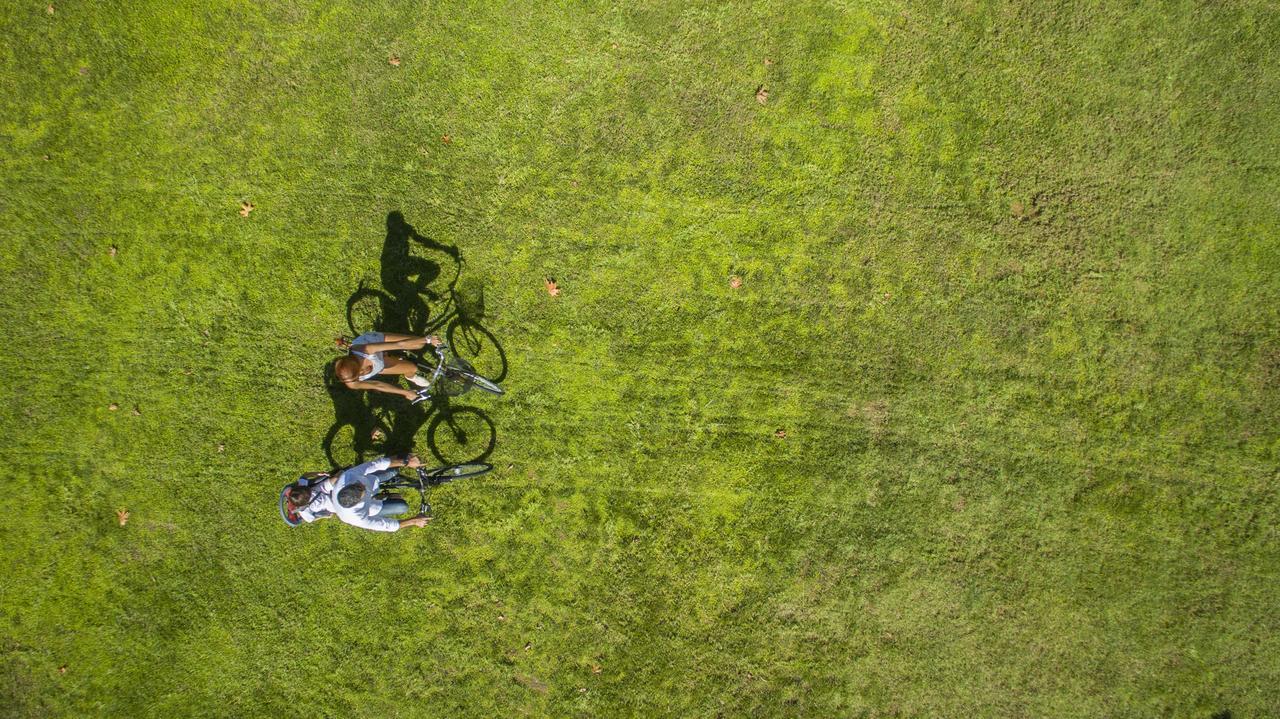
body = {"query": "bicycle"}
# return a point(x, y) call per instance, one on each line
point(424, 480)
point(453, 369)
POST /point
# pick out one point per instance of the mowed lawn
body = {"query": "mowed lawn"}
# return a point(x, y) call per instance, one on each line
point(914, 359)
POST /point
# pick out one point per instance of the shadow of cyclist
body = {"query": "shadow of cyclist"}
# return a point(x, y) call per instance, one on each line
point(385, 424)
point(408, 278)
point(356, 431)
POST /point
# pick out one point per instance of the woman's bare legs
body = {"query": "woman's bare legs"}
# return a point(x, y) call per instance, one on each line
point(401, 366)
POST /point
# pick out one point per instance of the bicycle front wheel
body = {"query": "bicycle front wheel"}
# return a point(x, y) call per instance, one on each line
point(476, 380)
point(459, 471)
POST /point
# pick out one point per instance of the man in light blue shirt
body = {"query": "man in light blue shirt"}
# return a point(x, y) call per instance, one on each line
point(351, 495)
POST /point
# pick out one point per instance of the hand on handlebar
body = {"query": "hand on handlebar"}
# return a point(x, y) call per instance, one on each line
point(434, 340)
point(412, 461)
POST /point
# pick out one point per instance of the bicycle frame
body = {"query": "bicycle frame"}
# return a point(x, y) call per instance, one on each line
point(422, 483)
point(436, 372)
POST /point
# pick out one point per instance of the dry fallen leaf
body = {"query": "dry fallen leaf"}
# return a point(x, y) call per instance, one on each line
point(245, 208)
point(762, 94)
point(595, 669)
point(62, 669)
point(768, 62)
point(50, 11)
point(122, 516)
point(113, 406)
point(735, 282)
point(137, 412)
point(112, 250)
point(394, 60)
point(446, 139)
point(222, 447)
point(376, 435)
point(780, 434)
point(502, 617)
point(552, 288)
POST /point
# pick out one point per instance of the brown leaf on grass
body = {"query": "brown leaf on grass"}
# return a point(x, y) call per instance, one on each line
point(552, 288)
point(62, 669)
point(137, 411)
point(394, 61)
point(446, 139)
point(762, 94)
point(780, 433)
point(50, 11)
point(595, 669)
point(376, 435)
point(735, 282)
point(122, 516)
point(502, 617)
point(767, 62)
point(245, 208)
point(222, 447)
point(113, 406)
point(112, 250)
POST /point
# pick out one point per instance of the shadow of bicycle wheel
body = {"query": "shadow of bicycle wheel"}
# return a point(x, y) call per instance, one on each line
point(479, 348)
point(461, 434)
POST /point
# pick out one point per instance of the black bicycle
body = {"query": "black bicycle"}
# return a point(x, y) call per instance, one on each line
point(453, 374)
point(423, 480)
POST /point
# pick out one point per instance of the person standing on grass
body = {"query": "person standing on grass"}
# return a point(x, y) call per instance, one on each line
point(368, 357)
point(351, 495)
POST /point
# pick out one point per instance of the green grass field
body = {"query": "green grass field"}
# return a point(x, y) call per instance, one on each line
point(989, 428)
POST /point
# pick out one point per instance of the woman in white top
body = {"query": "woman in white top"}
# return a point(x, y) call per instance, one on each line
point(368, 357)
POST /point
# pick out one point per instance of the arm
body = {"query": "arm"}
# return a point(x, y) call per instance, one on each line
point(400, 342)
point(386, 524)
point(378, 386)
point(407, 460)
point(381, 463)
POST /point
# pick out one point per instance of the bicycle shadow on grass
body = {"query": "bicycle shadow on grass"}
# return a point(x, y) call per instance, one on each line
point(368, 424)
